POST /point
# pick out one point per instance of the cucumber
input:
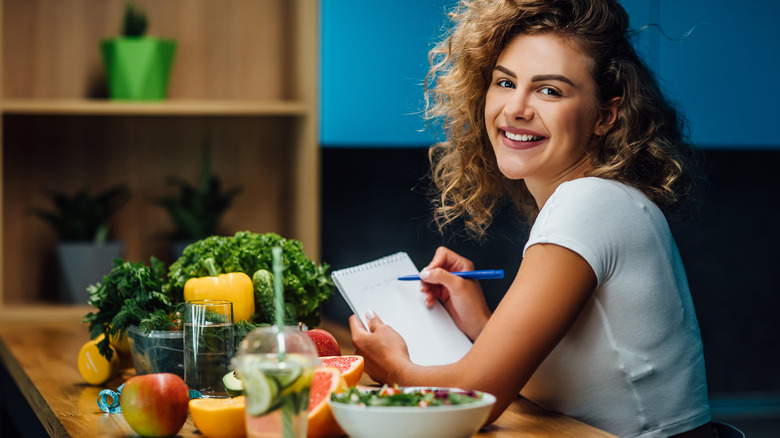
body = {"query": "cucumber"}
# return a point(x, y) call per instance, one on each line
point(260, 393)
point(233, 384)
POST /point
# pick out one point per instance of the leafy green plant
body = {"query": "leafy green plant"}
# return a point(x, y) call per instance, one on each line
point(82, 216)
point(134, 21)
point(307, 285)
point(131, 294)
point(197, 209)
point(143, 295)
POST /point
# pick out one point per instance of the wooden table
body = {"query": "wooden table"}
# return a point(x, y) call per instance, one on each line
point(40, 357)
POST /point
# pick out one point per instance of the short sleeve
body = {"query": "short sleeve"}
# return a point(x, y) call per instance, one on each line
point(588, 216)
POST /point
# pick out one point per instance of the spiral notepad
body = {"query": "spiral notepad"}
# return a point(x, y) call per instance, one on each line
point(430, 333)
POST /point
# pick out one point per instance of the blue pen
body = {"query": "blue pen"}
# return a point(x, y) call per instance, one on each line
point(474, 275)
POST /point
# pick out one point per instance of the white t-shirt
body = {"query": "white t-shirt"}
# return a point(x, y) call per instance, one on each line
point(632, 364)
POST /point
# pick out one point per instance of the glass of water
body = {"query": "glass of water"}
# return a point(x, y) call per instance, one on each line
point(208, 345)
point(276, 369)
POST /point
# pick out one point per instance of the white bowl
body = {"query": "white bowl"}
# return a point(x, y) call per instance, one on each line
point(454, 421)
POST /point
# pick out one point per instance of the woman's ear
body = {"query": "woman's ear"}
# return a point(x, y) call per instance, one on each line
point(608, 116)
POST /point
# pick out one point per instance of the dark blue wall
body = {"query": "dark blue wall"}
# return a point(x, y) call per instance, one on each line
point(374, 204)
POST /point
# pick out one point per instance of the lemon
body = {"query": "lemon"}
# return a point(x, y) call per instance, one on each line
point(120, 343)
point(93, 367)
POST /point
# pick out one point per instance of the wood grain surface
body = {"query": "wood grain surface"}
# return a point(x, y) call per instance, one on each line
point(41, 359)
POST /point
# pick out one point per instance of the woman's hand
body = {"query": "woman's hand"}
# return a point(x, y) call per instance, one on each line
point(463, 298)
point(383, 349)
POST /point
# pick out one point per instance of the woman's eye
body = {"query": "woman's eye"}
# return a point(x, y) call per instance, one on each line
point(504, 83)
point(550, 91)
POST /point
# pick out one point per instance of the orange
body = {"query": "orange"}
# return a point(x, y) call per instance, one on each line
point(95, 368)
point(351, 367)
point(326, 380)
point(219, 417)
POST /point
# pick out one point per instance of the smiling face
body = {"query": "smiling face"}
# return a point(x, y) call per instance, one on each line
point(541, 112)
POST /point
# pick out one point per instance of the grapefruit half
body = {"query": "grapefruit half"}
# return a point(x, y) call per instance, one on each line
point(351, 367)
point(325, 381)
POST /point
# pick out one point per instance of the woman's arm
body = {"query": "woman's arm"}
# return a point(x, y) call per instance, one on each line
point(552, 287)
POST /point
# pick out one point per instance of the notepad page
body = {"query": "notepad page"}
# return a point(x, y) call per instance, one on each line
point(430, 333)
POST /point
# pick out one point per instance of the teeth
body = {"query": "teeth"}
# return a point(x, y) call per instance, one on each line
point(521, 137)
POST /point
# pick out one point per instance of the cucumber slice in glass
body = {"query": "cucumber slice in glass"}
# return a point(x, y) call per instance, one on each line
point(260, 392)
point(285, 376)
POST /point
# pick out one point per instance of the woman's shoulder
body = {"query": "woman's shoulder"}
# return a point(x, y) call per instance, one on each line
point(593, 184)
point(599, 203)
point(597, 192)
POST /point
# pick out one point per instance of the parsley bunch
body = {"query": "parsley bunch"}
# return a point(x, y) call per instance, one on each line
point(131, 294)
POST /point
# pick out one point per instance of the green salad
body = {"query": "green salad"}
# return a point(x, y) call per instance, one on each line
point(395, 396)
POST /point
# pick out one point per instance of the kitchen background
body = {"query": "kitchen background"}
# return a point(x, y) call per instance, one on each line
point(717, 60)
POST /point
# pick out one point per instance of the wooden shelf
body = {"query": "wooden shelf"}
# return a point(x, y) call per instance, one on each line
point(245, 80)
point(174, 107)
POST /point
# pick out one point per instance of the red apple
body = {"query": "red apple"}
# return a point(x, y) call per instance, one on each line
point(325, 342)
point(155, 405)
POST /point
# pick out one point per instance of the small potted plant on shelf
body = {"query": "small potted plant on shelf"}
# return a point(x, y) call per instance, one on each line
point(196, 209)
point(137, 67)
point(82, 223)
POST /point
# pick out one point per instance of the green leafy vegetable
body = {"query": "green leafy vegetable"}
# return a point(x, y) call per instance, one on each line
point(393, 396)
point(129, 294)
point(142, 295)
point(306, 284)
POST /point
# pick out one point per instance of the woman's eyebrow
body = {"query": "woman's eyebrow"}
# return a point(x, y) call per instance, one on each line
point(537, 78)
point(542, 78)
point(506, 71)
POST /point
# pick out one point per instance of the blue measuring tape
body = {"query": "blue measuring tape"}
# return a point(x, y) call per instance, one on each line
point(108, 400)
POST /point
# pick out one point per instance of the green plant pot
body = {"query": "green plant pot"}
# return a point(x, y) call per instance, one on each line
point(138, 68)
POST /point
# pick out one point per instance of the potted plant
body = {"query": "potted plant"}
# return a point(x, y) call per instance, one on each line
point(196, 209)
point(82, 223)
point(137, 67)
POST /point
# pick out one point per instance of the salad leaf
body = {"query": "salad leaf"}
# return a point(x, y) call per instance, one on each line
point(421, 398)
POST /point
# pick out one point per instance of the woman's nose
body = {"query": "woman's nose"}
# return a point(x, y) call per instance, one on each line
point(518, 107)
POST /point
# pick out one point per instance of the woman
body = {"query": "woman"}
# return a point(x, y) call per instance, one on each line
point(545, 103)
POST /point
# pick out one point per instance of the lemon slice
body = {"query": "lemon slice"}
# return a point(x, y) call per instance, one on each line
point(302, 382)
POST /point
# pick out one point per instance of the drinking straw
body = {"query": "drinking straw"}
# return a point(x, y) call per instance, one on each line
point(278, 286)
point(288, 409)
point(279, 298)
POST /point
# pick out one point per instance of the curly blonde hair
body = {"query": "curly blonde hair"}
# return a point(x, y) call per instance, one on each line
point(645, 148)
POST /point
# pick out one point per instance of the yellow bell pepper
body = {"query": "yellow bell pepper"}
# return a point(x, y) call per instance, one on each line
point(235, 286)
